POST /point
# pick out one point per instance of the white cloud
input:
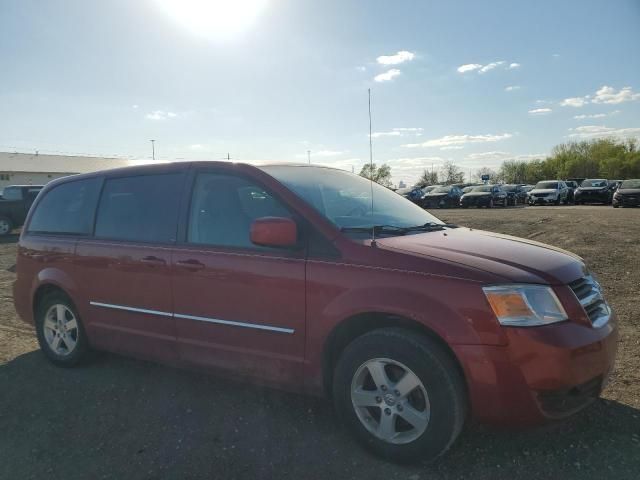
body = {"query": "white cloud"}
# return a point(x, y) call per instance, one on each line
point(469, 67)
point(323, 153)
point(387, 76)
point(540, 111)
point(605, 94)
point(361, 68)
point(488, 155)
point(135, 107)
point(160, 115)
point(448, 140)
point(575, 102)
point(556, 55)
point(400, 57)
point(197, 147)
point(392, 133)
point(399, 132)
point(452, 147)
point(491, 66)
point(512, 88)
point(596, 115)
point(595, 131)
point(609, 95)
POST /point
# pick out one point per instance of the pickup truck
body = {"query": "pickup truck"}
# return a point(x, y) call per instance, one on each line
point(14, 206)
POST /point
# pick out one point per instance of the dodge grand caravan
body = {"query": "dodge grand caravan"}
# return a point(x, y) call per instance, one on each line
point(312, 279)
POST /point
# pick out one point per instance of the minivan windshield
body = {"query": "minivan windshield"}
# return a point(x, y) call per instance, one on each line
point(546, 185)
point(345, 198)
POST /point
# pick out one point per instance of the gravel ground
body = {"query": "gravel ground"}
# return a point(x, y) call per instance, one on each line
point(120, 418)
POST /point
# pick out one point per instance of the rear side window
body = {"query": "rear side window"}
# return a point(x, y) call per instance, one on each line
point(142, 208)
point(67, 208)
point(12, 193)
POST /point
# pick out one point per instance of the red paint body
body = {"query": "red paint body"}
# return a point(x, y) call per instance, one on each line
point(431, 280)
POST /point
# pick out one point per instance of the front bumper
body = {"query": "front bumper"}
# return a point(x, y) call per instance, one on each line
point(544, 373)
point(627, 201)
point(475, 202)
point(542, 200)
point(592, 197)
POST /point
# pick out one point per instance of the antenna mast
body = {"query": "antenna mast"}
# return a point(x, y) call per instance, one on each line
point(373, 229)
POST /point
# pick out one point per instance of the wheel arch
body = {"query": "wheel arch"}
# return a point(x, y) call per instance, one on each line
point(353, 327)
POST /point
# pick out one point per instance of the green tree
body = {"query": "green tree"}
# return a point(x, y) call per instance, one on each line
point(450, 173)
point(380, 175)
point(428, 178)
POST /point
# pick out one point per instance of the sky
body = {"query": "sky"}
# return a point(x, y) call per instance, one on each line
point(269, 80)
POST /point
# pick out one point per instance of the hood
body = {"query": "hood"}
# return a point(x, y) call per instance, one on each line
point(439, 194)
point(514, 259)
point(477, 194)
point(544, 190)
point(628, 191)
point(592, 189)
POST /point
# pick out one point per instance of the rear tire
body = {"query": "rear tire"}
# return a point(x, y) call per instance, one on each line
point(60, 331)
point(375, 410)
point(6, 226)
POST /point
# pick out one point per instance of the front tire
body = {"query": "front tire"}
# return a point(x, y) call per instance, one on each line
point(401, 394)
point(60, 332)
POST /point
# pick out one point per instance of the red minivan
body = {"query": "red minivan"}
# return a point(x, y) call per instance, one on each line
point(314, 279)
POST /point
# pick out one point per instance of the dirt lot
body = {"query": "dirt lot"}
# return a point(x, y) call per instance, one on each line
point(119, 418)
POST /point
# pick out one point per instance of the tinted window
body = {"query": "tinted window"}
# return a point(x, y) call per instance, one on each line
point(142, 208)
point(223, 207)
point(588, 183)
point(67, 208)
point(546, 185)
point(12, 193)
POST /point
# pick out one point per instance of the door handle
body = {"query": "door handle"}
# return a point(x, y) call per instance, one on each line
point(153, 260)
point(191, 264)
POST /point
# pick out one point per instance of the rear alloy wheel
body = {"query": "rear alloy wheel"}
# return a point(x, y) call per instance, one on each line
point(59, 330)
point(5, 226)
point(400, 394)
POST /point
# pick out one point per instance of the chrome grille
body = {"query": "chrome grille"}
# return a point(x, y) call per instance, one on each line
point(589, 293)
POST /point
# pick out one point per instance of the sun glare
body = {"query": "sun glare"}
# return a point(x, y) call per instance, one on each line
point(215, 19)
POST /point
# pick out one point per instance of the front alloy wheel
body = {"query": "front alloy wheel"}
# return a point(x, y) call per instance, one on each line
point(390, 401)
point(400, 393)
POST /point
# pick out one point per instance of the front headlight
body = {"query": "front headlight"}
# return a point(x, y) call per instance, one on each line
point(525, 305)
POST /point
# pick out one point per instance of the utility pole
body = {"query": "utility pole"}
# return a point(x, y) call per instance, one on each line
point(228, 157)
point(309, 156)
point(153, 149)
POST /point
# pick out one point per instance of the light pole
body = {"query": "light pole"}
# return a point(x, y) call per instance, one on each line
point(153, 149)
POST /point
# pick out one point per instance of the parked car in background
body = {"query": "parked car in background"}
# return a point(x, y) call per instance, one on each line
point(14, 205)
point(515, 194)
point(614, 184)
point(593, 190)
point(627, 194)
point(271, 274)
point(548, 192)
point(470, 187)
point(447, 196)
point(572, 185)
point(414, 194)
point(484, 196)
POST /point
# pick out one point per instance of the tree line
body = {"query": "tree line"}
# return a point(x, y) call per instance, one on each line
point(601, 158)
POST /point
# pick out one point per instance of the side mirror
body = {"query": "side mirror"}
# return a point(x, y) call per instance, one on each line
point(276, 232)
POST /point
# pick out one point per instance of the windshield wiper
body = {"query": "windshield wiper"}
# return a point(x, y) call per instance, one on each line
point(392, 229)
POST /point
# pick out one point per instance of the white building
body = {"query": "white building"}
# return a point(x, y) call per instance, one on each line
point(37, 169)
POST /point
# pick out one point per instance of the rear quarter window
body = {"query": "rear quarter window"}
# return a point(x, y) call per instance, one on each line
point(67, 208)
point(143, 208)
